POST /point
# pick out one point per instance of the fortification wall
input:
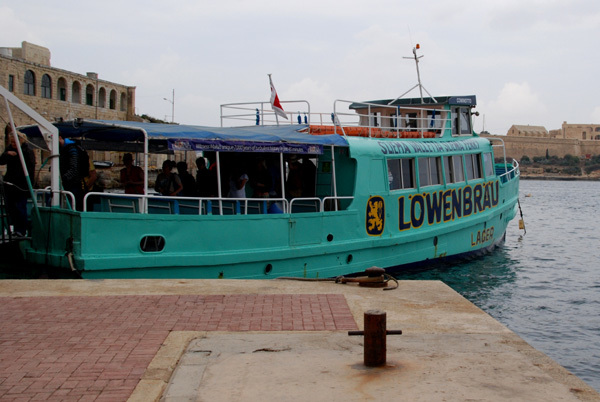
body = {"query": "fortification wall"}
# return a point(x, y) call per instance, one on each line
point(516, 147)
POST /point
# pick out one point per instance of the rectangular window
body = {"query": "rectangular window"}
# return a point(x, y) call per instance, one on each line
point(488, 164)
point(448, 169)
point(408, 173)
point(453, 167)
point(434, 170)
point(46, 92)
point(401, 173)
point(11, 83)
point(465, 122)
point(429, 171)
point(394, 176)
point(62, 94)
point(461, 121)
point(424, 172)
point(459, 171)
point(473, 162)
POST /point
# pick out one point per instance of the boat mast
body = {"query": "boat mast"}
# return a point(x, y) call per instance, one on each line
point(417, 65)
point(419, 84)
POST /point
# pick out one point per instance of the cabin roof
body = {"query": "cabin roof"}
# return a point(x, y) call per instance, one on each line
point(468, 100)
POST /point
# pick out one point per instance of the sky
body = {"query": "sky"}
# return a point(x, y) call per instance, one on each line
point(533, 62)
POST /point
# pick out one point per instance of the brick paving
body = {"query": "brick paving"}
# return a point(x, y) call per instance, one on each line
point(87, 348)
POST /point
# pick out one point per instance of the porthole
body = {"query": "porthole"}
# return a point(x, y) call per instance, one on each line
point(268, 269)
point(349, 259)
point(329, 237)
point(152, 244)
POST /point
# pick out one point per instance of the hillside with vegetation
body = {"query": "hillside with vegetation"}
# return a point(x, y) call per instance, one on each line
point(570, 166)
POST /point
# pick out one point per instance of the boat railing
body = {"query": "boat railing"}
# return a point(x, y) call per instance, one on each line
point(503, 173)
point(333, 203)
point(511, 173)
point(156, 204)
point(159, 204)
point(425, 122)
point(43, 197)
point(306, 204)
point(260, 113)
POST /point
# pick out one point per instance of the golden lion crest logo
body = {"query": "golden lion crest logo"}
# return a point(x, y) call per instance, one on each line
point(375, 220)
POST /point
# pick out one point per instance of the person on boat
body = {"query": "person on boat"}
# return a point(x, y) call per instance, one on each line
point(261, 179)
point(132, 177)
point(15, 183)
point(91, 180)
point(70, 172)
point(309, 175)
point(187, 180)
point(167, 182)
point(293, 185)
point(203, 179)
point(275, 174)
point(237, 185)
point(92, 184)
point(213, 169)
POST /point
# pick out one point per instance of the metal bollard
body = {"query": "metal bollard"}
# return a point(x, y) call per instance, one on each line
point(375, 348)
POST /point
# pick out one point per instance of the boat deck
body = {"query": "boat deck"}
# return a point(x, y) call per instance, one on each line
point(189, 339)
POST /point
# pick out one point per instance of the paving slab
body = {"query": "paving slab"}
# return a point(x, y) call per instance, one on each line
point(144, 340)
point(330, 367)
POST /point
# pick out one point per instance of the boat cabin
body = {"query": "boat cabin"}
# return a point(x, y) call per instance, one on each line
point(295, 166)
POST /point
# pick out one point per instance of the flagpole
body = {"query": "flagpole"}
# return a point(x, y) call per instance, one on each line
point(275, 104)
point(272, 90)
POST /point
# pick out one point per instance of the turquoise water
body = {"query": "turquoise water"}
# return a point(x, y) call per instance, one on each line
point(544, 286)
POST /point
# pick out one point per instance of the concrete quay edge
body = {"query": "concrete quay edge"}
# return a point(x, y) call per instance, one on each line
point(427, 311)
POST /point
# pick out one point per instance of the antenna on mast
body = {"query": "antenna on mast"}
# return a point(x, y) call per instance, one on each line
point(421, 87)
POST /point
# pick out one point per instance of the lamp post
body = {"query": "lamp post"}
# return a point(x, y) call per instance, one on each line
point(172, 102)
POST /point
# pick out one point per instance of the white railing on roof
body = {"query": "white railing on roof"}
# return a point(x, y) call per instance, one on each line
point(260, 113)
point(394, 123)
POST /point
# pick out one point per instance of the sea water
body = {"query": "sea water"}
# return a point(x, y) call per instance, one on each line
point(544, 285)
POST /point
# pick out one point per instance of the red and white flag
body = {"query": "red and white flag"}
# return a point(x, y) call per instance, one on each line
point(275, 104)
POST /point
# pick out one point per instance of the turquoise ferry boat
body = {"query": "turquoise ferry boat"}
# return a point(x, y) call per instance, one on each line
point(388, 183)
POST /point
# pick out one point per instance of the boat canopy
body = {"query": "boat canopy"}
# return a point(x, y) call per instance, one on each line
point(165, 138)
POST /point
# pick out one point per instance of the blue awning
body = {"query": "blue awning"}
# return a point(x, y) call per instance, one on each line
point(109, 134)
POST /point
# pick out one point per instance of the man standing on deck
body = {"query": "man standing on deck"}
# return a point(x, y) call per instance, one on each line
point(70, 172)
point(132, 177)
point(15, 183)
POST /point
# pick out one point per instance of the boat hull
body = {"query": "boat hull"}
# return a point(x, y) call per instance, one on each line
point(312, 245)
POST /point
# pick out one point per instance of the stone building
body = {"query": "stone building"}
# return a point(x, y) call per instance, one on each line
point(528, 131)
point(582, 140)
point(55, 93)
point(583, 132)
